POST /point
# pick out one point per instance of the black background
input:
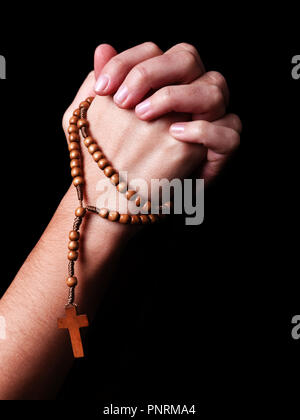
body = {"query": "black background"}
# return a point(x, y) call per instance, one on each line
point(207, 314)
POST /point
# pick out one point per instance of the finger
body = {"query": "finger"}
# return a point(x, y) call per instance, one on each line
point(230, 121)
point(115, 71)
point(183, 46)
point(103, 54)
point(86, 90)
point(217, 79)
point(178, 67)
point(219, 139)
point(197, 98)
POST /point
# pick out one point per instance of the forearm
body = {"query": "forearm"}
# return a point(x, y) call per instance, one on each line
point(36, 355)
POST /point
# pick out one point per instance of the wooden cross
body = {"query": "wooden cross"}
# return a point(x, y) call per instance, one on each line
point(73, 323)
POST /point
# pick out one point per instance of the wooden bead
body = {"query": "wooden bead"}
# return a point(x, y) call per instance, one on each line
point(129, 194)
point(103, 163)
point(113, 216)
point(135, 219)
point(93, 148)
point(103, 213)
point(73, 245)
point(78, 180)
point(76, 113)
point(76, 171)
point(75, 154)
point(72, 129)
point(114, 179)
point(80, 212)
point(146, 207)
point(122, 187)
point(73, 255)
point(144, 219)
point(84, 104)
point(74, 235)
point(138, 201)
point(74, 163)
point(74, 137)
point(74, 146)
point(88, 141)
point(71, 281)
point(153, 218)
point(97, 156)
point(90, 99)
point(82, 123)
point(73, 120)
point(124, 219)
point(109, 171)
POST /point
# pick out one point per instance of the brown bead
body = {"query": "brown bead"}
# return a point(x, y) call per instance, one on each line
point(73, 120)
point(76, 172)
point(144, 219)
point(124, 219)
point(138, 201)
point(80, 212)
point(82, 123)
point(146, 207)
point(74, 163)
point(74, 137)
point(84, 104)
point(109, 171)
point(113, 216)
point(129, 194)
point(153, 218)
point(71, 281)
point(135, 219)
point(74, 146)
point(72, 129)
point(75, 154)
point(103, 213)
point(76, 113)
point(122, 187)
point(90, 99)
point(78, 180)
point(114, 179)
point(103, 163)
point(93, 148)
point(73, 255)
point(88, 141)
point(97, 155)
point(73, 245)
point(74, 235)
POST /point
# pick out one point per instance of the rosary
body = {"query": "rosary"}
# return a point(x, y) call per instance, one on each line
point(78, 127)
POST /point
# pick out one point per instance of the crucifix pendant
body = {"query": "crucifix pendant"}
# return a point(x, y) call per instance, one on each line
point(73, 323)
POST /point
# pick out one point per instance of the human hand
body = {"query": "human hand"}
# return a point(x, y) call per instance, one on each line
point(174, 81)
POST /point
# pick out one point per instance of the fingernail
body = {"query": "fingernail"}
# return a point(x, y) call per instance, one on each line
point(121, 96)
point(177, 128)
point(101, 83)
point(143, 108)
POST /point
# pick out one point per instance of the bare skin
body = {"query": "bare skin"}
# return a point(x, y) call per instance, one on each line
point(36, 356)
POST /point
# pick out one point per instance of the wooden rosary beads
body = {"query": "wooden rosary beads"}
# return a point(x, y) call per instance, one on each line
point(79, 125)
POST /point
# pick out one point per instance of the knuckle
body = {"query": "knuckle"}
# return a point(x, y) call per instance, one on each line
point(151, 47)
point(116, 63)
point(236, 122)
point(216, 95)
point(188, 58)
point(216, 78)
point(188, 47)
point(140, 73)
point(201, 129)
point(166, 94)
point(235, 140)
point(65, 119)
